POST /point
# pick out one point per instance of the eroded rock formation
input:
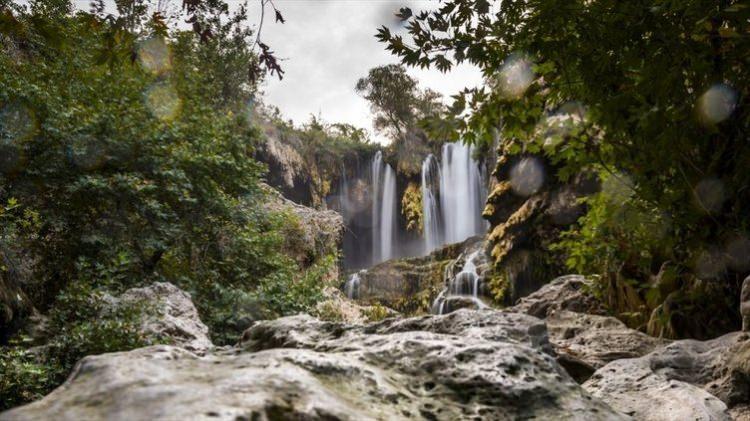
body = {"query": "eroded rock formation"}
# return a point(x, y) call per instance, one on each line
point(687, 379)
point(410, 285)
point(527, 213)
point(170, 314)
point(465, 365)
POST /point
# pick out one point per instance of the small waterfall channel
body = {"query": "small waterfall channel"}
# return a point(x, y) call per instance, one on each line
point(351, 288)
point(462, 289)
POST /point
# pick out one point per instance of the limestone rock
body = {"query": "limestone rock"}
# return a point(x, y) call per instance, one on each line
point(687, 379)
point(631, 387)
point(563, 293)
point(466, 365)
point(524, 226)
point(587, 342)
point(287, 170)
point(171, 314)
point(317, 232)
point(410, 285)
point(15, 305)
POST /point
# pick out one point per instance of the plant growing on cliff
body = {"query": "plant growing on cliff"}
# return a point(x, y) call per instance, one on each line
point(411, 207)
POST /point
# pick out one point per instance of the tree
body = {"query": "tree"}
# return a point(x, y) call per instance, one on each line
point(402, 110)
point(660, 90)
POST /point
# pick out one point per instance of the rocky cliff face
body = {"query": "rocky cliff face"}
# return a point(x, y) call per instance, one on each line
point(287, 170)
point(312, 234)
point(410, 285)
point(528, 210)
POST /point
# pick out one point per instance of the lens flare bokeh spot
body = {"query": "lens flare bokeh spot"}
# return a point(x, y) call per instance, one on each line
point(709, 195)
point(717, 104)
point(153, 55)
point(17, 125)
point(163, 101)
point(527, 176)
point(87, 153)
point(738, 254)
point(710, 264)
point(515, 76)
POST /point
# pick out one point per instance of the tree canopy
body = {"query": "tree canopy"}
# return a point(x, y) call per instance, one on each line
point(650, 94)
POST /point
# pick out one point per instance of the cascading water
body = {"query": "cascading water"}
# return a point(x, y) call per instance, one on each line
point(460, 193)
point(388, 214)
point(464, 285)
point(453, 195)
point(430, 214)
point(351, 288)
point(383, 209)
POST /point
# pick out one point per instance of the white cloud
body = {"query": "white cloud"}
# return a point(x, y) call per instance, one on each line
point(327, 45)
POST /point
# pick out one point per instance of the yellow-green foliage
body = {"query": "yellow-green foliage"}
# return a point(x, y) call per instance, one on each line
point(499, 287)
point(376, 312)
point(411, 207)
point(330, 311)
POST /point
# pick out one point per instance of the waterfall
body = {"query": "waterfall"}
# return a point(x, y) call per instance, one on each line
point(351, 288)
point(388, 214)
point(463, 286)
point(383, 182)
point(460, 189)
point(430, 215)
point(453, 195)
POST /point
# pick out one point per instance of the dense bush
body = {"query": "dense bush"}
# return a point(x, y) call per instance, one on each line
point(82, 322)
point(126, 157)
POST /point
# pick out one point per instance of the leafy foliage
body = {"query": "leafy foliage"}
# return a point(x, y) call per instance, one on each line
point(126, 157)
point(400, 109)
point(83, 322)
point(651, 91)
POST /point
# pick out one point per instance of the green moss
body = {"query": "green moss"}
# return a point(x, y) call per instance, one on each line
point(411, 207)
point(500, 288)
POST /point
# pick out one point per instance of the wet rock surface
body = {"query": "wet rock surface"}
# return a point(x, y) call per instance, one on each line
point(466, 365)
point(410, 285)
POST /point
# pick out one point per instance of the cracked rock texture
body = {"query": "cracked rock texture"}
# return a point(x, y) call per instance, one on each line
point(688, 379)
point(466, 365)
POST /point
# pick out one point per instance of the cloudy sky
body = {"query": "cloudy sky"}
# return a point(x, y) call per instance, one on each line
point(327, 45)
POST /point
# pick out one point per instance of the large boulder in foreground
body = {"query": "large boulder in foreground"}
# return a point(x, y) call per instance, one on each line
point(466, 365)
point(689, 379)
point(584, 338)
